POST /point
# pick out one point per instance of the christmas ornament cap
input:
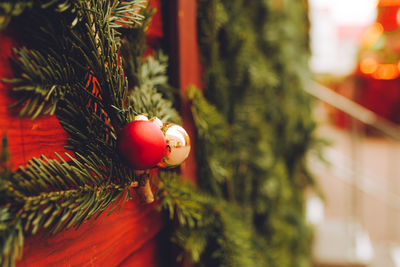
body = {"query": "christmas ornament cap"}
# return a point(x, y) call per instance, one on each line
point(178, 146)
point(142, 144)
point(141, 117)
point(157, 122)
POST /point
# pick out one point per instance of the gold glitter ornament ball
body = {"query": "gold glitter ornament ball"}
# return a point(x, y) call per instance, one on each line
point(178, 145)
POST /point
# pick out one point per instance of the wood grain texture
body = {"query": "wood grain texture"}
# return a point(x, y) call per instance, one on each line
point(101, 242)
point(127, 238)
point(155, 32)
point(145, 255)
point(27, 138)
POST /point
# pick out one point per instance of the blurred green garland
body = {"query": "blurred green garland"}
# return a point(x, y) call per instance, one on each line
point(256, 129)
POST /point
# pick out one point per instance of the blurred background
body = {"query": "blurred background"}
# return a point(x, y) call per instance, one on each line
point(356, 61)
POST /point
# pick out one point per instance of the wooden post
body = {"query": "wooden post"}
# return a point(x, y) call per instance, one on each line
point(185, 62)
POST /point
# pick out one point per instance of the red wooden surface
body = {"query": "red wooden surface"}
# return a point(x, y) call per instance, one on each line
point(100, 243)
point(26, 138)
point(128, 238)
point(155, 32)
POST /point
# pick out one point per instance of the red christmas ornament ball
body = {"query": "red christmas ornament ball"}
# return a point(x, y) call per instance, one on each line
point(142, 144)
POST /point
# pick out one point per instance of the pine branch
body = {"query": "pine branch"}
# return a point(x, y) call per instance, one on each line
point(153, 72)
point(89, 107)
point(50, 189)
point(151, 93)
point(126, 13)
point(147, 99)
point(73, 69)
point(123, 13)
point(4, 155)
point(210, 231)
point(53, 195)
point(180, 199)
point(11, 234)
point(91, 135)
point(9, 9)
point(11, 237)
point(47, 71)
point(221, 238)
point(92, 92)
point(52, 70)
point(211, 125)
point(43, 81)
point(212, 134)
point(256, 57)
point(90, 118)
point(134, 46)
point(100, 45)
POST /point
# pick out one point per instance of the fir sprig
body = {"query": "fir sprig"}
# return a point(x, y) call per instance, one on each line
point(72, 68)
point(211, 232)
point(53, 195)
point(43, 81)
point(122, 13)
point(255, 57)
point(152, 82)
point(180, 199)
point(55, 67)
point(11, 230)
point(212, 133)
point(126, 13)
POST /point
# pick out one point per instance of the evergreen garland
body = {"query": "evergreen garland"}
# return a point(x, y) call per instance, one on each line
point(211, 231)
point(254, 126)
point(256, 57)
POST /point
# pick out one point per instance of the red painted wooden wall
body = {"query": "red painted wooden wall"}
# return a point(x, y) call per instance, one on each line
point(134, 236)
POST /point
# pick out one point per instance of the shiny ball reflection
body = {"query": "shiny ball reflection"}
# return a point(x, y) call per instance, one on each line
point(178, 145)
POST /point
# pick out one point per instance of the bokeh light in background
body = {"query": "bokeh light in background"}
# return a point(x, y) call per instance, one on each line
point(337, 28)
point(356, 60)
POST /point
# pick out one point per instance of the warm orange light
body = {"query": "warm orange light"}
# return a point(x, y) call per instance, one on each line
point(372, 34)
point(386, 72)
point(368, 65)
point(389, 3)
